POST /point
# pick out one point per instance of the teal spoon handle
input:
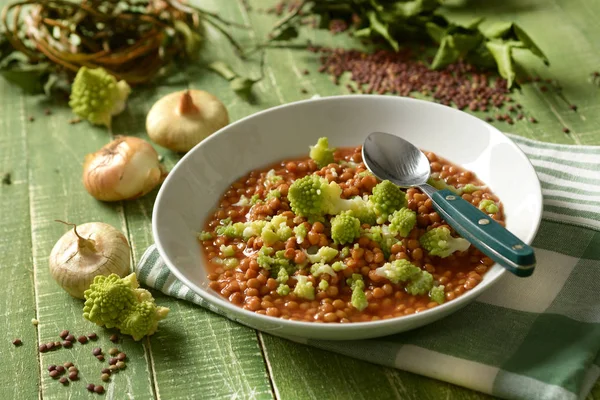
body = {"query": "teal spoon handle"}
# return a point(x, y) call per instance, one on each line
point(483, 232)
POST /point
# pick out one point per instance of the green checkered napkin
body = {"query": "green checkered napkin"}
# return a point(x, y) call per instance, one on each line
point(535, 338)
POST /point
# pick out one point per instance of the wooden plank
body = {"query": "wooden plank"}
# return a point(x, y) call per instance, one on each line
point(56, 151)
point(213, 356)
point(17, 301)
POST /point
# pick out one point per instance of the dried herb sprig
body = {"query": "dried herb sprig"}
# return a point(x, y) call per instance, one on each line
point(45, 40)
point(392, 21)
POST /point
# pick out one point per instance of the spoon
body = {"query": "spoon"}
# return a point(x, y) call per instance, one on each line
point(393, 158)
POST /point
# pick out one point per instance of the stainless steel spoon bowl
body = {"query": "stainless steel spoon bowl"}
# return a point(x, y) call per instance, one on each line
point(399, 161)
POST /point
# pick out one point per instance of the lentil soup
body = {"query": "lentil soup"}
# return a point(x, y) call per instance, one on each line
point(379, 274)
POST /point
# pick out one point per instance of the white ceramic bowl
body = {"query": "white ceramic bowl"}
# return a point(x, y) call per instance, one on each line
point(193, 187)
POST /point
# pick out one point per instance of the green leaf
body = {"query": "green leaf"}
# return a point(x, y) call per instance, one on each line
point(481, 56)
point(382, 29)
point(243, 86)
point(446, 54)
point(407, 9)
point(363, 33)
point(464, 43)
point(502, 53)
point(288, 33)
point(529, 43)
point(435, 31)
point(192, 39)
point(497, 30)
point(469, 25)
point(222, 69)
point(16, 69)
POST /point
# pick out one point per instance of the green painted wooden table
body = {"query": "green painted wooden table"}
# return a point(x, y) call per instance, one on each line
point(197, 354)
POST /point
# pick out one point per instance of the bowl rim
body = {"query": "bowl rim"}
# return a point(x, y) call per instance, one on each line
point(355, 326)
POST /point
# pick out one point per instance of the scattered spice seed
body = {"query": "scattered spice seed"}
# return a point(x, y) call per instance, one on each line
point(51, 367)
point(63, 380)
point(67, 344)
point(519, 106)
point(73, 376)
point(105, 377)
point(31, 118)
point(113, 351)
point(43, 348)
point(532, 120)
point(499, 117)
point(60, 369)
point(304, 91)
point(114, 338)
point(97, 351)
point(489, 119)
point(510, 121)
point(92, 336)
point(64, 334)
point(7, 179)
point(543, 88)
point(74, 121)
point(520, 116)
point(54, 374)
point(70, 338)
point(573, 107)
point(105, 371)
point(100, 357)
point(73, 368)
point(34, 321)
point(305, 72)
point(47, 111)
point(566, 130)
point(121, 364)
point(50, 346)
point(17, 342)
point(68, 364)
point(112, 361)
point(121, 356)
point(99, 389)
point(57, 344)
point(90, 387)
point(82, 339)
point(511, 109)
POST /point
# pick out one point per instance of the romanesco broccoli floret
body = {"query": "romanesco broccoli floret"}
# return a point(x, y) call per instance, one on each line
point(300, 231)
point(420, 284)
point(323, 285)
point(321, 153)
point(205, 236)
point(386, 199)
point(382, 235)
point(282, 276)
point(319, 269)
point(437, 294)
point(398, 271)
point(273, 194)
point(276, 229)
point(143, 319)
point(470, 188)
point(97, 96)
point(283, 290)
point(344, 252)
point(345, 227)
point(314, 197)
point(489, 206)
point(243, 201)
point(108, 298)
point(235, 230)
point(227, 251)
point(402, 222)
point(323, 255)
point(358, 298)
point(255, 199)
point(439, 242)
point(304, 289)
point(112, 301)
point(268, 259)
point(272, 178)
point(338, 266)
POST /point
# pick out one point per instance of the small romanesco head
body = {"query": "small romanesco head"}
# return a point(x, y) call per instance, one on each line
point(309, 196)
point(402, 222)
point(386, 199)
point(398, 271)
point(142, 319)
point(345, 228)
point(97, 96)
point(304, 288)
point(439, 242)
point(321, 153)
point(108, 297)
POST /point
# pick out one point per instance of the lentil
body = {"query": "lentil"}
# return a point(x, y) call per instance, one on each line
point(63, 380)
point(105, 377)
point(114, 338)
point(90, 387)
point(113, 351)
point(92, 336)
point(60, 369)
point(70, 338)
point(99, 389)
point(82, 339)
point(17, 342)
point(73, 375)
point(64, 334)
point(120, 364)
point(68, 364)
point(72, 368)
point(97, 351)
point(105, 371)
point(54, 373)
point(67, 344)
point(121, 356)
point(254, 289)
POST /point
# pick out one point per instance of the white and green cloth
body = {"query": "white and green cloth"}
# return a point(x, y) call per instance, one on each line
point(535, 338)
